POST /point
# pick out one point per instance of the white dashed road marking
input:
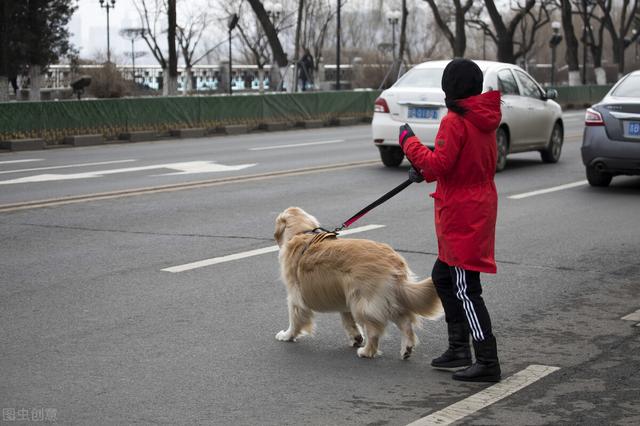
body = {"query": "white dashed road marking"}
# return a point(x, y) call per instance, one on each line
point(634, 316)
point(66, 166)
point(21, 161)
point(547, 190)
point(295, 145)
point(251, 253)
point(486, 397)
point(184, 168)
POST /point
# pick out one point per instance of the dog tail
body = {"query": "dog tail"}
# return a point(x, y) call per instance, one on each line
point(421, 298)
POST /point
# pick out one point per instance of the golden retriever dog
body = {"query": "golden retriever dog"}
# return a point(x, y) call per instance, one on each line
point(367, 282)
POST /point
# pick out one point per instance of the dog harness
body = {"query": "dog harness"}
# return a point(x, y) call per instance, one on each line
point(321, 234)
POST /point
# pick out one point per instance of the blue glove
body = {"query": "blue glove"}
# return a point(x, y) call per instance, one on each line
point(415, 175)
point(405, 133)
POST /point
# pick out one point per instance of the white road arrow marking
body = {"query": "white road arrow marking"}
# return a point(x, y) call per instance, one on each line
point(190, 167)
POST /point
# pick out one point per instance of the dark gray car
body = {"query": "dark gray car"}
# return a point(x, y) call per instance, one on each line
point(611, 140)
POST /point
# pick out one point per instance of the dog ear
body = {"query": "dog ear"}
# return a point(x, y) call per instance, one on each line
point(281, 225)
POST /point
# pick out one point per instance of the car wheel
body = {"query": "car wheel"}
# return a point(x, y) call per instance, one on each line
point(597, 177)
point(391, 156)
point(502, 145)
point(551, 154)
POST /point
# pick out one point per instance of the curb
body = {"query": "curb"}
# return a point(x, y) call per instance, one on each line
point(33, 144)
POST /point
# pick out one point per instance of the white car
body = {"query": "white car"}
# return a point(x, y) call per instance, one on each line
point(531, 119)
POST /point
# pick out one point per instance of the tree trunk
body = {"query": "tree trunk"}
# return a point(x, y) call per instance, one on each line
point(173, 55)
point(272, 35)
point(169, 84)
point(296, 55)
point(261, 80)
point(35, 78)
point(460, 44)
point(4, 89)
point(571, 43)
point(504, 33)
point(188, 75)
point(403, 38)
point(620, 48)
point(505, 49)
point(4, 69)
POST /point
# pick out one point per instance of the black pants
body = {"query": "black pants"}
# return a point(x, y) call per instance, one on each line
point(461, 295)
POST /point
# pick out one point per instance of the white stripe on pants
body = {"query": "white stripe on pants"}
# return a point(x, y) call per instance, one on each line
point(469, 310)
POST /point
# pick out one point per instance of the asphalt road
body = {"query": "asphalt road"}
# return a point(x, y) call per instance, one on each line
point(94, 330)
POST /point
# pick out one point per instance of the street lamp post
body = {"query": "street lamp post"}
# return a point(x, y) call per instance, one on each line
point(633, 37)
point(556, 38)
point(132, 34)
point(108, 4)
point(394, 18)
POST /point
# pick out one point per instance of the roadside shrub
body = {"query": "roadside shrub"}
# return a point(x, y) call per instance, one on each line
point(107, 82)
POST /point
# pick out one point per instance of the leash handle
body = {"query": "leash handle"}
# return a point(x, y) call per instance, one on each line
point(375, 204)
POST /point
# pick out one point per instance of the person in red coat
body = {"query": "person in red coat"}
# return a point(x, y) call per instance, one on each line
point(465, 202)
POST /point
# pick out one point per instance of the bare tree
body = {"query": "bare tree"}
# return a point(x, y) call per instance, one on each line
point(403, 36)
point(594, 40)
point(525, 36)
point(628, 15)
point(172, 81)
point(296, 50)
point(151, 14)
point(504, 33)
point(189, 35)
point(442, 13)
point(255, 46)
point(318, 16)
point(571, 41)
point(269, 28)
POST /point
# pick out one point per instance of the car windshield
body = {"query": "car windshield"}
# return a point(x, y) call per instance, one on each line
point(423, 78)
point(629, 88)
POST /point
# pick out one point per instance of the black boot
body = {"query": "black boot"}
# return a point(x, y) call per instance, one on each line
point(487, 366)
point(459, 353)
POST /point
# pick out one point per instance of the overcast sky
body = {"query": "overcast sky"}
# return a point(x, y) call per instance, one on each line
point(89, 27)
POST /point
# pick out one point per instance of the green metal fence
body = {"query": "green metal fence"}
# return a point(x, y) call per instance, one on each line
point(55, 120)
point(580, 96)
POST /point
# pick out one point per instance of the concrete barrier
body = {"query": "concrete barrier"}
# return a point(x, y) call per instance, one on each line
point(275, 126)
point(22, 144)
point(311, 124)
point(347, 121)
point(140, 136)
point(236, 129)
point(195, 132)
point(84, 140)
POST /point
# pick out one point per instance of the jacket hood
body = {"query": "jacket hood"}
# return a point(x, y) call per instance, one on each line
point(483, 111)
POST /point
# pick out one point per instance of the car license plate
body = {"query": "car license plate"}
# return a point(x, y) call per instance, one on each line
point(423, 113)
point(633, 129)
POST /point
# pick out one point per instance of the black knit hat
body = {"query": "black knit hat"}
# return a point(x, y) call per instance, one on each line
point(461, 78)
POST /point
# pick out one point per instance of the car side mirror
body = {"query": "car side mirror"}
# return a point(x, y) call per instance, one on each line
point(551, 94)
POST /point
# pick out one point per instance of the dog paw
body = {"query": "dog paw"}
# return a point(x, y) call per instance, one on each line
point(285, 336)
point(365, 353)
point(357, 341)
point(406, 352)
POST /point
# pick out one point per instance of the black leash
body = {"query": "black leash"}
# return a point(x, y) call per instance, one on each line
point(395, 191)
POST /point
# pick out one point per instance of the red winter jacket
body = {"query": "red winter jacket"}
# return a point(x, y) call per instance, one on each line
point(464, 164)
